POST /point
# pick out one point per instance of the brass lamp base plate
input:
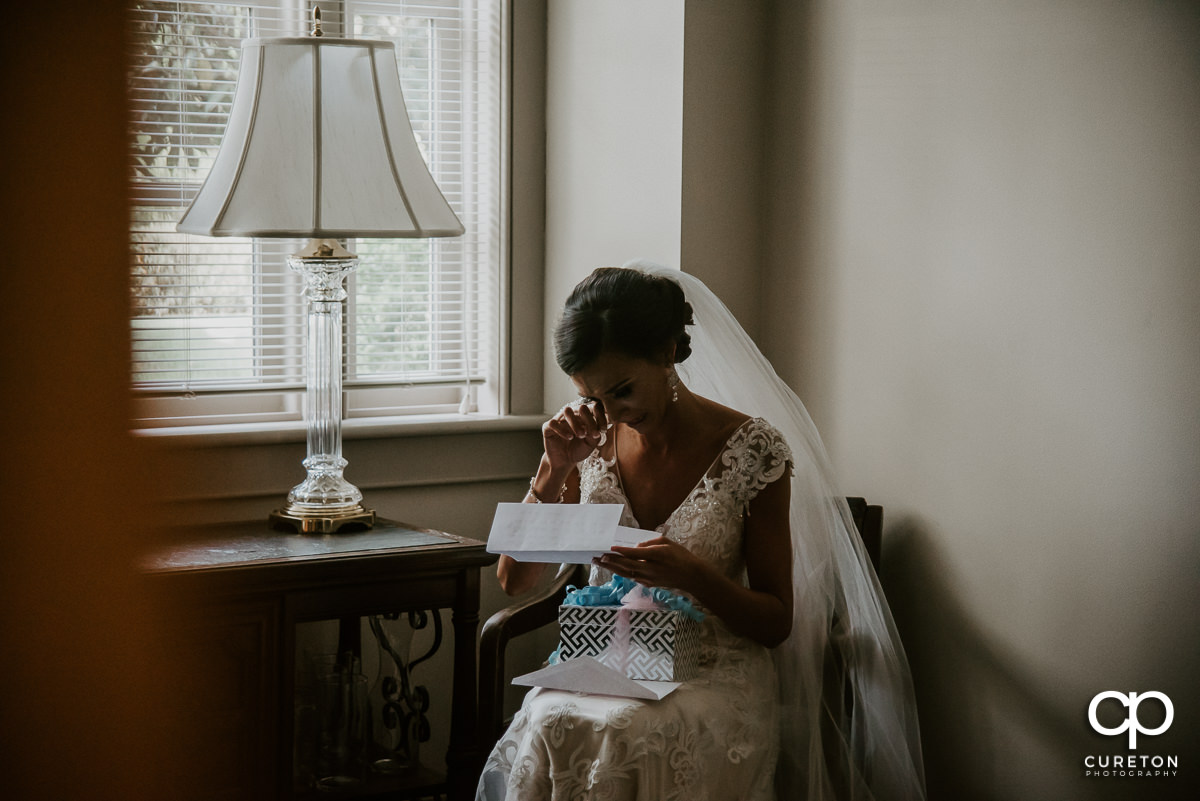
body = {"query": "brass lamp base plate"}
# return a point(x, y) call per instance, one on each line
point(306, 522)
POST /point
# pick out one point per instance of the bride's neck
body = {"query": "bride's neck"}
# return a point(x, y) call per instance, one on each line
point(679, 424)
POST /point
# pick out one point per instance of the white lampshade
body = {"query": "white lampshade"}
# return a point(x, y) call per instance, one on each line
point(319, 145)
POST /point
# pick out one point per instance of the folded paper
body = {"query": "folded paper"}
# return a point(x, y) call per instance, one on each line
point(586, 675)
point(571, 533)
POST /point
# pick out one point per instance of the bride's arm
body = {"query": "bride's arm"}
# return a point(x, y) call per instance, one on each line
point(762, 611)
point(568, 438)
point(517, 578)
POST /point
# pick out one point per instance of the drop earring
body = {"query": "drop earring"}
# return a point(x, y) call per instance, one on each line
point(673, 383)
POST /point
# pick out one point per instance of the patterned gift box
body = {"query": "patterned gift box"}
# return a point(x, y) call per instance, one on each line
point(664, 645)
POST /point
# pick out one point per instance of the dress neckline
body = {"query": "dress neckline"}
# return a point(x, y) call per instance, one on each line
point(616, 466)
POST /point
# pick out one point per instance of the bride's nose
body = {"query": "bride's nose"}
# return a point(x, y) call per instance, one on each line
point(616, 411)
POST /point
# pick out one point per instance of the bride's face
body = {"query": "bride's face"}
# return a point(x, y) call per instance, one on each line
point(632, 391)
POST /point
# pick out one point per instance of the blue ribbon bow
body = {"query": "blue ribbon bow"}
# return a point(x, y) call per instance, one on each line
point(618, 587)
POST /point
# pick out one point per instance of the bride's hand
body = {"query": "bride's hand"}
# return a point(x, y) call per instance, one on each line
point(571, 435)
point(656, 563)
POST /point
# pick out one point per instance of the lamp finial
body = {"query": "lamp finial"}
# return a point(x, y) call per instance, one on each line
point(316, 22)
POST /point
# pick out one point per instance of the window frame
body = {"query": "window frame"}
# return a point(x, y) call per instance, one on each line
point(370, 404)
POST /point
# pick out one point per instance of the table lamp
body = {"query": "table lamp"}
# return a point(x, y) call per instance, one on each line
point(319, 146)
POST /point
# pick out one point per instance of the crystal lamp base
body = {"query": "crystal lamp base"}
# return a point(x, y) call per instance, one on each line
point(322, 521)
point(324, 502)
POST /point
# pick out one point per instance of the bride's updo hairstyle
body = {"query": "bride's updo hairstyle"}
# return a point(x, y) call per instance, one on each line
point(622, 310)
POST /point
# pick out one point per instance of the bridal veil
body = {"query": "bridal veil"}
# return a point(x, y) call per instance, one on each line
point(849, 718)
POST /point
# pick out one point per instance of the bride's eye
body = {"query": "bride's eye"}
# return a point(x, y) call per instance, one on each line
point(623, 392)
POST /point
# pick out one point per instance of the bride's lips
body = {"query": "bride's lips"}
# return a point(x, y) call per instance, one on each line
point(636, 422)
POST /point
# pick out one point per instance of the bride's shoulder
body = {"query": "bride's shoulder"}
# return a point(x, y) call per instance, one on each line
point(731, 421)
point(723, 418)
point(768, 439)
point(759, 435)
point(731, 424)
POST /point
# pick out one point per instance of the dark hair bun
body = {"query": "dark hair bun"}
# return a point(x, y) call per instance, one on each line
point(683, 340)
point(623, 310)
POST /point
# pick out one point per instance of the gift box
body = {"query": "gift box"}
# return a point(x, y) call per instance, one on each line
point(651, 644)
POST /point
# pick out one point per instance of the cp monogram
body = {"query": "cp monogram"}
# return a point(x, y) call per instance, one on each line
point(1131, 723)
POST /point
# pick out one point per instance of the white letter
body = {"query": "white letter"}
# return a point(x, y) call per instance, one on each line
point(1134, 700)
point(1096, 723)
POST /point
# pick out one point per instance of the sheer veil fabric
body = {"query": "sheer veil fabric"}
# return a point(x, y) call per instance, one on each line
point(849, 718)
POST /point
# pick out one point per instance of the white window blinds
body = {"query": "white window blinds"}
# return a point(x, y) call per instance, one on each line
point(218, 323)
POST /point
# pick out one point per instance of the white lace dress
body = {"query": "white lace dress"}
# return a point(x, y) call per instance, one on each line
point(716, 737)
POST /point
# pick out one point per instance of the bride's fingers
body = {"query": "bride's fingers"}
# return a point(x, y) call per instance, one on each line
point(583, 422)
point(659, 560)
point(655, 549)
point(600, 415)
point(588, 417)
point(579, 421)
point(558, 427)
point(595, 415)
point(565, 423)
point(578, 425)
point(643, 571)
point(622, 566)
point(657, 542)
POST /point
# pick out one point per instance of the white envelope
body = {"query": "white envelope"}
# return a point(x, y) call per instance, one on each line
point(571, 533)
point(586, 675)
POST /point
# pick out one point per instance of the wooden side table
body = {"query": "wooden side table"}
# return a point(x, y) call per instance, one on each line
point(245, 587)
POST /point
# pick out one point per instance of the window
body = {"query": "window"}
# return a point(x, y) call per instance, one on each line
point(218, 323)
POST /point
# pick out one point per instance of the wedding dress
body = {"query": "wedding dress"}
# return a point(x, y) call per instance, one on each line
point(836, 715)
point(713, 739)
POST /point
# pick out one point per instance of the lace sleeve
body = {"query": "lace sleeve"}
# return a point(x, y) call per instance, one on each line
point(758, 456)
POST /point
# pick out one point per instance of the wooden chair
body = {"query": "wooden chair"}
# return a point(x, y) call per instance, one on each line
point(541, 609)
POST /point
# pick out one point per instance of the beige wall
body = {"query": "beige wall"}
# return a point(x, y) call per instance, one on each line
point(614, 73)
point(975, 257)
point(725, 102)
point(984, 272)
point(655, 146)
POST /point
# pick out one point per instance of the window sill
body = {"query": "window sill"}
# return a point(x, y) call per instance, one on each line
point(354, 428)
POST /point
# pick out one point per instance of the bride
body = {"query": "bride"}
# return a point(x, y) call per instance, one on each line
point(746, 527)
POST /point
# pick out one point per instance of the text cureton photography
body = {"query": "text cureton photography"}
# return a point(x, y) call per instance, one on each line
point(1130, 765)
